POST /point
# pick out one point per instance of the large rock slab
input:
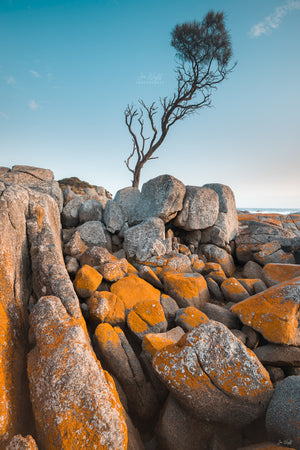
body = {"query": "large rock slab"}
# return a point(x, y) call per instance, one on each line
point(68, 388)
point(212, 374)
point(266, 239)
point(273, 312)
point(15, 288)
point(225, 228)
point(94, 233)
point(283, 414)
point(200, 209)
point(188, 289)
point(34, 178)
point(132, 290)
point(145, 239)
point(49, 274)
point(160, 197)
point(279, 273)
point(128, 199)
point(117, 354)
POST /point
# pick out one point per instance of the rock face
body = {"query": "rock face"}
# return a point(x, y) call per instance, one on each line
point(213, 375)
point(132, 290)
point(68, 388)
point(34, 178)
point(200, 209)
point(145, 240)
point(273, 312)
point(279, 273)
point(160, 197)
point(115, 351)
point(188, 289)
point(226, 226)
point(267, 240)
point(15, 289)
point(283, 414)
point(128, 198)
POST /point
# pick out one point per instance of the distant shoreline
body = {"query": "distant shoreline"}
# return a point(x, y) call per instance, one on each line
point(283, 211)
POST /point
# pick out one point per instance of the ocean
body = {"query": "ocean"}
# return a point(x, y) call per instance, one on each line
point(271, 210)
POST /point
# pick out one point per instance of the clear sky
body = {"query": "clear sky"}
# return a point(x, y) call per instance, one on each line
point(68, 68)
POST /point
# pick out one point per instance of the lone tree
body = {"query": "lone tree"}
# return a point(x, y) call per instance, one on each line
point(203, 54)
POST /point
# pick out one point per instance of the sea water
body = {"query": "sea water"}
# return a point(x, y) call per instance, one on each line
point(271, 210)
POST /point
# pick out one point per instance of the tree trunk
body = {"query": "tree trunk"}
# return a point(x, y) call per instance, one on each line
point(136, 177)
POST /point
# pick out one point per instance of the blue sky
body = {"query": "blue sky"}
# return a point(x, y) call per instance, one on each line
point(69, 68)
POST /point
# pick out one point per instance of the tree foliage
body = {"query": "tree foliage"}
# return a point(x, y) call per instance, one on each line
point(203, 56)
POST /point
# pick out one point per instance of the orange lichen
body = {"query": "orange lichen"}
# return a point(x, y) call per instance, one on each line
point(150, 311)
point(105, 335)
point(198, 265)
point(233, 290)
point(279, 273)
point(193, 317)
point(135, 323)
point(39, 213)
point(132, 290)
point(152, 343)
point(249, 282)
point(187, 289)
point(105, 306)
point(86, 281)
point(273, 312)
point(115, 270)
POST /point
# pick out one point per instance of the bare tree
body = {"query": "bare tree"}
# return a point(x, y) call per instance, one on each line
point(203, 55)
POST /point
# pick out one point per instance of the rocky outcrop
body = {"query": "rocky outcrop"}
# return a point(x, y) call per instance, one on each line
point(68, 388)
point(160, 197)
point(214, 376)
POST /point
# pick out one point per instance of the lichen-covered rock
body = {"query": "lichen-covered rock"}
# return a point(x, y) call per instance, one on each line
point(114, 216)
point(132, 290)
point(273, 313)
point(220, 256)
point(96, 256)
point(114, 270)
point(142, 241)
point(189, 318)
point(75, 246)
point(153, 342)
point(214, 289)
point(233, 291)
point(170, 308)
point(200, 209)
point(86, 281)
point(160, 197)
point(68, 388)
point(148, 275)
point(188, 289)
point(258, 234)
point(283, 413)
point(106, 307)
point(128, 198)
point(147, 317)
point(272, 253)
point(19, 442)
point(94, 234)
point(15, 288)
point(279, 273)
point(90, 210)
point(115, 351)
point(215, 272)
point(212, 374)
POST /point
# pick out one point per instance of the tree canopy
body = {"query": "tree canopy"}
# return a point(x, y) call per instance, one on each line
point(203, 55)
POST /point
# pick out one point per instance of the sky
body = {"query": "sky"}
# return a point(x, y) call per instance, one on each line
point(68, 69)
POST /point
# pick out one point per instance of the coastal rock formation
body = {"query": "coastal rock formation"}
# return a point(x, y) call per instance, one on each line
point(68, 389)
point(214, 376)
point(142, 264)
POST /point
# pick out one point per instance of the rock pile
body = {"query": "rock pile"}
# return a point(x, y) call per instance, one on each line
point(158, 319)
